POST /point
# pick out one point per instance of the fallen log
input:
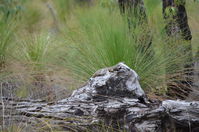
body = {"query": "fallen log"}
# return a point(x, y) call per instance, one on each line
point(112, 100)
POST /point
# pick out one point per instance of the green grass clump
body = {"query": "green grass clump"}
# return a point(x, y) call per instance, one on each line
point(64, 8)
point(35, 49)
point(10, 8)
point(102, 39)
point(6, 33)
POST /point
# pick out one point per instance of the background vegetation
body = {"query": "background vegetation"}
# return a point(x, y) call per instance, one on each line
point(48, 45)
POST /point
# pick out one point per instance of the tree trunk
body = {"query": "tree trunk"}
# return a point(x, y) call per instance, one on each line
point(177, 28)
point(135, 12)
point(175, 14)
point(112, 100)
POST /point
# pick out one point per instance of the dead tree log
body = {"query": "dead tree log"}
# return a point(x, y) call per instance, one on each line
point(112, 100)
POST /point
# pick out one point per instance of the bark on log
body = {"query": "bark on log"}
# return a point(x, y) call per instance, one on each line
point(112, 100)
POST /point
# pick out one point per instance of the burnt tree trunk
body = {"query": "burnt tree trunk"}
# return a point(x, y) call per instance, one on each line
point(175, 14)
point(112, 100)
point(135, 12)
point(177, 28)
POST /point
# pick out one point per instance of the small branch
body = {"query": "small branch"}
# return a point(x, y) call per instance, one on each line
point(54, 16)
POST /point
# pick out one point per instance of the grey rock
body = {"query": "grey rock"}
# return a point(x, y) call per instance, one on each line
point(116, 81)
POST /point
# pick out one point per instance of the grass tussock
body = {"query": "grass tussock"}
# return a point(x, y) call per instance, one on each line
point(102, 39)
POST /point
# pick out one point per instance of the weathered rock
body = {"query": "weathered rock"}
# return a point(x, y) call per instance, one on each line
point(116, 81)
point(111, 100)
